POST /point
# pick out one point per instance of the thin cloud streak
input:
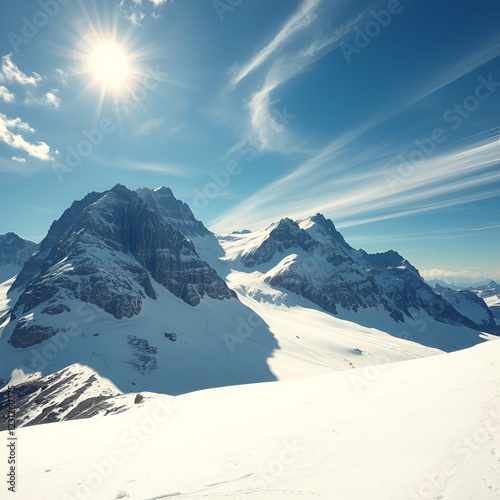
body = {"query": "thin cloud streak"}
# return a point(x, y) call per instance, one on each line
point(437, 177)
point(299, 21)
point(284, 69)
point(144, 166)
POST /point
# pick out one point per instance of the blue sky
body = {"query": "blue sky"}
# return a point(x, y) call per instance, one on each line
point(383, 115)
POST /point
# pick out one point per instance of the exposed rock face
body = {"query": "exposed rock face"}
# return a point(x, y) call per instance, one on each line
point(312, 259)
point(174, 211)
point(72, 393)
point(27, 333)
point(103, 251)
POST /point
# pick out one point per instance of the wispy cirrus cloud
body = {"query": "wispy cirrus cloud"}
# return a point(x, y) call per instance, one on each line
point(349, 164)
point(168, 127)
point(353, 199)
point(299, 21)
point(122, 163)
point(476, 58)
point(284, 69)
point(10, 134)
point(285, 60)
point(146, 127)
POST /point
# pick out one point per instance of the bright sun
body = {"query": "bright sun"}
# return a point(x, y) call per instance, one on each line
point(109, 64)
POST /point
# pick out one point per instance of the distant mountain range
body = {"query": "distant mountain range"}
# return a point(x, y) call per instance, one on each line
point(473, 285)
point(130, 284)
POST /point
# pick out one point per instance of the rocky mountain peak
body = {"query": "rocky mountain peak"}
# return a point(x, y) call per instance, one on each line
point(323, 229)
point(105, 251)
point(173, 211)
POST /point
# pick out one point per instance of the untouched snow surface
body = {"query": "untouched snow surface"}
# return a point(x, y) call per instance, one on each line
point(426, 428)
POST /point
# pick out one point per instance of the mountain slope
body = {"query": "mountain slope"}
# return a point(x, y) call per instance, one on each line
point(368, 434)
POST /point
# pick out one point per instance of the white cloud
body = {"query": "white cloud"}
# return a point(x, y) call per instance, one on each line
point(144, 166)
point(354, 176)
point(5, 95)
point(146, 127)
point(485, 228)
point(48, 99)
point(169, 127)
point(474, 60)
point(11, 73)
point(135, 10)
point(20, 159)
point(285, 68)
point(39, 150)
point(64, 75)
point(299, 21)
point(432, 274)
point(335, 186)
point(136, 18)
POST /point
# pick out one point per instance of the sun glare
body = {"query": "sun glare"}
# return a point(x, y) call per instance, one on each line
point(108, 64)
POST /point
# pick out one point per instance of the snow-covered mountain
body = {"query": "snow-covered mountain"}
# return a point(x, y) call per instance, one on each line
point(116, 287)
point(470, 305)
point(311, 259)
point(14, 252)
point(107, 254)
point(488, 290)
point(490, 293)
point(121, 284)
